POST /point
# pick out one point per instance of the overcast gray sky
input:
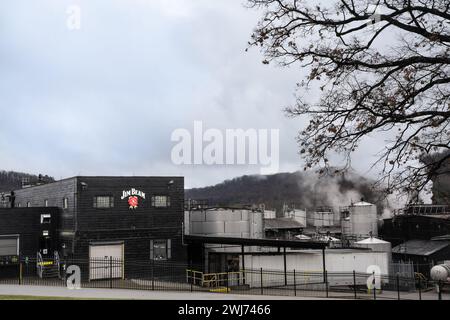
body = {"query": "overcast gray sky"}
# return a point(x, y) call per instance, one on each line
point(104, 100)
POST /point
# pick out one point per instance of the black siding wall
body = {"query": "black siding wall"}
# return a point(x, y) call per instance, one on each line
point(26, 222)
point(135, 227)
point(81, 224)
point(55, 193)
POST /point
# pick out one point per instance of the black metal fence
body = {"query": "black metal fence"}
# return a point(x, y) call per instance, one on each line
point(112, 273)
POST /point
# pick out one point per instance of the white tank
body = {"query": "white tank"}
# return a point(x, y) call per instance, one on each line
point(225, 223)
point(375, 244)
point(360, 220)
point(323, 219)
point(297, 215)
point(440, 273)
point(269, 214)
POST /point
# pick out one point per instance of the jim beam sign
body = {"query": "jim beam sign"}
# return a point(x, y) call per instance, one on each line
point(133, 196)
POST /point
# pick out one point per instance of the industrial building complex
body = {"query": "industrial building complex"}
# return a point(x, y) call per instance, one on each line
point(137, 221)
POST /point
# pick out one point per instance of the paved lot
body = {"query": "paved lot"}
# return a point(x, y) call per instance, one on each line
point(88, 293)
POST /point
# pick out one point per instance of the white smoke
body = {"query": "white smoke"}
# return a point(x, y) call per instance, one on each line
point(326, 191)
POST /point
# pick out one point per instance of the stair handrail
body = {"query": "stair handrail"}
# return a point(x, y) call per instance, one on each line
point(39, 264)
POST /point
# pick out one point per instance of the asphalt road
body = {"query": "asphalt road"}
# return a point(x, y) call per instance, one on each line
point(15, 290)
point(88, 293)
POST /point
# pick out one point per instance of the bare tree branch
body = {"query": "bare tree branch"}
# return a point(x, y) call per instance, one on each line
point(381, 66)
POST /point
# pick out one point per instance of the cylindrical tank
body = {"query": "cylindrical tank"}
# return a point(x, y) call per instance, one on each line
point(225, 223)
point(269, 214)
point(323, 219)
point(297, 215)
point(360, 220)
point(440, 273)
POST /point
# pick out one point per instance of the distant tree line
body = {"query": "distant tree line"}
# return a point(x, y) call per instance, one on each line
point(299, 189)
point(11, 180)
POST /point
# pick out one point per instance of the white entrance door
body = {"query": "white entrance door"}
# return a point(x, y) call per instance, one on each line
point(106, 261)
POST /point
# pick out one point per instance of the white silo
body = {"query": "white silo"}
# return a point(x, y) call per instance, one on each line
point(360, 220)
point(270, 214)
point(223, 222)
point(322, 217)
point(297, 215)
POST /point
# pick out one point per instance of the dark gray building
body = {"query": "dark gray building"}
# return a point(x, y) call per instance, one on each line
point(423, 254)
point(134, 219)
point(25, 233)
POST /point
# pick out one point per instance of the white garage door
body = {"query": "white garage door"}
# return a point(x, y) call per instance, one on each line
point(106, 261)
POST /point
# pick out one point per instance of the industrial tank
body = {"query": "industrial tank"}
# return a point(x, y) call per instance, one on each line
point(441, 273)
point(360, 220)
point(222, 222)
point(269, 214)
point(375, 245)
point(321, 217)
point(297, 215)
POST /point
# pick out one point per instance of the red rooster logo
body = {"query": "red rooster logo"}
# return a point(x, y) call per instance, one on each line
point(133, 202)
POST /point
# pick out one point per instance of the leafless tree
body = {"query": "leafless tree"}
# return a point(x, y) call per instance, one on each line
point(381, 66)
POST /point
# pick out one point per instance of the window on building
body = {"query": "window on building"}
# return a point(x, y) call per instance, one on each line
point(45, 218)
point(160, 201)
point(103, 202)
point(160, 250)
point(65, 203)
point(45, 203)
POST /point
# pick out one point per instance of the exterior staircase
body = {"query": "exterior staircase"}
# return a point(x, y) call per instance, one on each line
point(48, 268)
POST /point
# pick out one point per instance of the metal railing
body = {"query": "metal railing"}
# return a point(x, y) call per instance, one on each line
point(215, 280)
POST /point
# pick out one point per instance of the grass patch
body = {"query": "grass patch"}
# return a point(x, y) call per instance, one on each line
point(18, 297)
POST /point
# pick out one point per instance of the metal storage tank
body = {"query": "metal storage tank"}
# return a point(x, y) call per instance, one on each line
point(440, 272)
point(375, 244)
point(322, 217)
point(360, 220)
point(268, 214)
point(225, 223)
point(297, 215)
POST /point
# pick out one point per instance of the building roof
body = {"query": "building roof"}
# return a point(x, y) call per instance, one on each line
point(322, 230)
point(419, 216)
point(302, 237)
point(440, 238)
point(372, 240)
point(282, 223)
point(362, 204)
point(255, 242)
point(420, 247)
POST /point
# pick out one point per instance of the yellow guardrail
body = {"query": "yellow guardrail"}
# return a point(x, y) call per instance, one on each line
point(219, 281)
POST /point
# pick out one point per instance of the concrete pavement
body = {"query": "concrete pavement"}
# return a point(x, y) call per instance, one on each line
point(40, 291)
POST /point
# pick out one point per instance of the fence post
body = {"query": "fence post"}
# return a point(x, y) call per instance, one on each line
point(420, 288)
point(295, 284)
point(326, 281)
point(374, 288)
point(153, 274)
point(228, 284)
point(398, 286)
point(262, 290)
point(110, 272)
point(354, 284)
point(20, 273)
point(439, 290)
